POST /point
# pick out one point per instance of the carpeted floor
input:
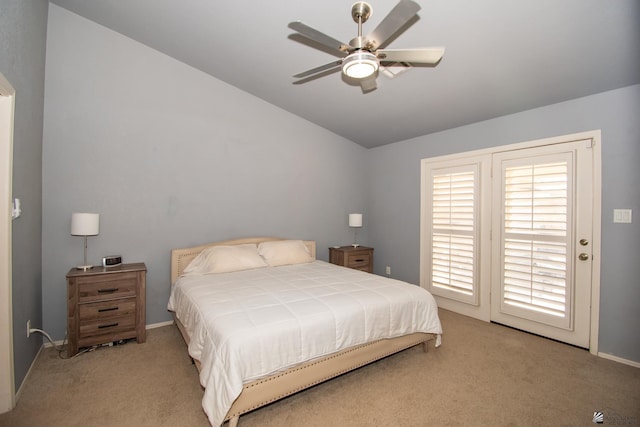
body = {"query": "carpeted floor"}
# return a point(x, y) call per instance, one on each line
point(484, 374)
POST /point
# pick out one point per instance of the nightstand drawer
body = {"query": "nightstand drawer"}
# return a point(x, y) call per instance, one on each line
point(122, 286)
point(107, 309)
point(110, 326)
point(359, 261)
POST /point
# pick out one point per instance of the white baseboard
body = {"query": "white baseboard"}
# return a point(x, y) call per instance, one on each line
point(47, 344)
point(159, 325)
point(24, 380)
point(619, 360)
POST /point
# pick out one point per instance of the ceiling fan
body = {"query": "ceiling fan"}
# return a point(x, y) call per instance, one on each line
point(363, 56)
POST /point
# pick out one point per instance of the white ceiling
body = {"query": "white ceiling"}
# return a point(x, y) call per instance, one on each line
point(502, 56)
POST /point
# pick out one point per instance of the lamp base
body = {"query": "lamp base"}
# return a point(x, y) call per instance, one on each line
point(355, 245)
point(84, 267)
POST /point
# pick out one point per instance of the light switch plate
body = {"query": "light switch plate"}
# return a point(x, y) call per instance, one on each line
point(622, 216)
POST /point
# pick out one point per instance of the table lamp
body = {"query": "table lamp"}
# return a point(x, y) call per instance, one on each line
point(85, 224)
point(355, 221)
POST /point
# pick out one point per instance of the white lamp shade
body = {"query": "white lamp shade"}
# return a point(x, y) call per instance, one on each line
point(355, 220)
point(85, 224)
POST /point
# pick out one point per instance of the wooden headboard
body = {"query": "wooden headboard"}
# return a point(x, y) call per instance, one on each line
point(180, 258)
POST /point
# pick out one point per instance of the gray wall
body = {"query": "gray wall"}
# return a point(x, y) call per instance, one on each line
point(171, 157)
point(394, 196)
point(23, 27)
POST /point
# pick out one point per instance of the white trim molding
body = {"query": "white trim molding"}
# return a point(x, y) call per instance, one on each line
point(7, 376)
point(619, 360)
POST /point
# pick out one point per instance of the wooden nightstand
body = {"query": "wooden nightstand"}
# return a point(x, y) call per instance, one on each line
point(105, 304)
point(360, 258)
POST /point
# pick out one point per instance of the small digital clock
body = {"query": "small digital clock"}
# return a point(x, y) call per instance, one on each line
point(112, 261)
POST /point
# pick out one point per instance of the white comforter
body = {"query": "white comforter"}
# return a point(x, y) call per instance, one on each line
point(248, 324)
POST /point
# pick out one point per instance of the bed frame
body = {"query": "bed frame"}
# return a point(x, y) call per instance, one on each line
point(267, 390)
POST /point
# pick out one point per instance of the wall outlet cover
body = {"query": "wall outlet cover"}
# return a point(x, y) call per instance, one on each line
point(622, 216)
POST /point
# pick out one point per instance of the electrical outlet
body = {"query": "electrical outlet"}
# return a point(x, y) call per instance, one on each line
point(28, 328)
point(388, 270)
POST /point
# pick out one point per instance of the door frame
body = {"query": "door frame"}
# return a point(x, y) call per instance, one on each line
point(7, 378)
point(593, 135)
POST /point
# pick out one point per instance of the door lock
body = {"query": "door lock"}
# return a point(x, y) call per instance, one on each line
point(584, 242)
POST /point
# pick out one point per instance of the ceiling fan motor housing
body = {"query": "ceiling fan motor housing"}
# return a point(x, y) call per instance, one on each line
point(358, 43)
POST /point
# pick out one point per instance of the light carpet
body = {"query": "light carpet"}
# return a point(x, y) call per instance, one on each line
point(482, 375)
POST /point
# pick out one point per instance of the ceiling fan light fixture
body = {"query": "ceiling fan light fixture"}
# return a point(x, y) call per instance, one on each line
point(360, 65)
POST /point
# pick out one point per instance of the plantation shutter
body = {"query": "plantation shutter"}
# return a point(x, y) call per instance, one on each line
point(536, 239)
point(453, 235)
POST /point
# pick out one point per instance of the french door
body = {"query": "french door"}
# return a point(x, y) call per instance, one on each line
point(541, 251)
point(507, 236)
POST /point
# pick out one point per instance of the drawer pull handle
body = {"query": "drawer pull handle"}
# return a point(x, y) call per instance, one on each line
point(359, 260)
point(101, 310)
point(110, 325)
point(107, 290)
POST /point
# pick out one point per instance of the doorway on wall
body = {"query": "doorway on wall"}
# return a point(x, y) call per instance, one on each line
point(7, 386)
point(511, 235)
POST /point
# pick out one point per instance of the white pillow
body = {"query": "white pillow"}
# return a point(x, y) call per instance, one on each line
point(225, 259)
point(284, 252)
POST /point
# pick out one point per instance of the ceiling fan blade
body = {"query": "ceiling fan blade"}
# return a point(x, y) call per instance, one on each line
point(368, 84)
point(319, 69)
point(424, 56)
point(319, 37)
point(399, 16)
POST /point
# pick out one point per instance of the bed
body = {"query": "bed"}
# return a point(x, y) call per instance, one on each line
point(260, 328)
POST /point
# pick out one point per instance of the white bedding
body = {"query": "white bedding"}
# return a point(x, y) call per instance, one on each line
point(248, 324)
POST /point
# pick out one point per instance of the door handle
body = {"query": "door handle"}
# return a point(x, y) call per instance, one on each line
point(584, 242)
point(583, 257)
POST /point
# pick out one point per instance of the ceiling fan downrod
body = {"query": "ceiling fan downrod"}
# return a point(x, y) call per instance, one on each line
point(360, 12)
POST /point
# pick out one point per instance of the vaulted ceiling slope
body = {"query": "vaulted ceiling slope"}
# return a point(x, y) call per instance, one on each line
point(502, 56)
